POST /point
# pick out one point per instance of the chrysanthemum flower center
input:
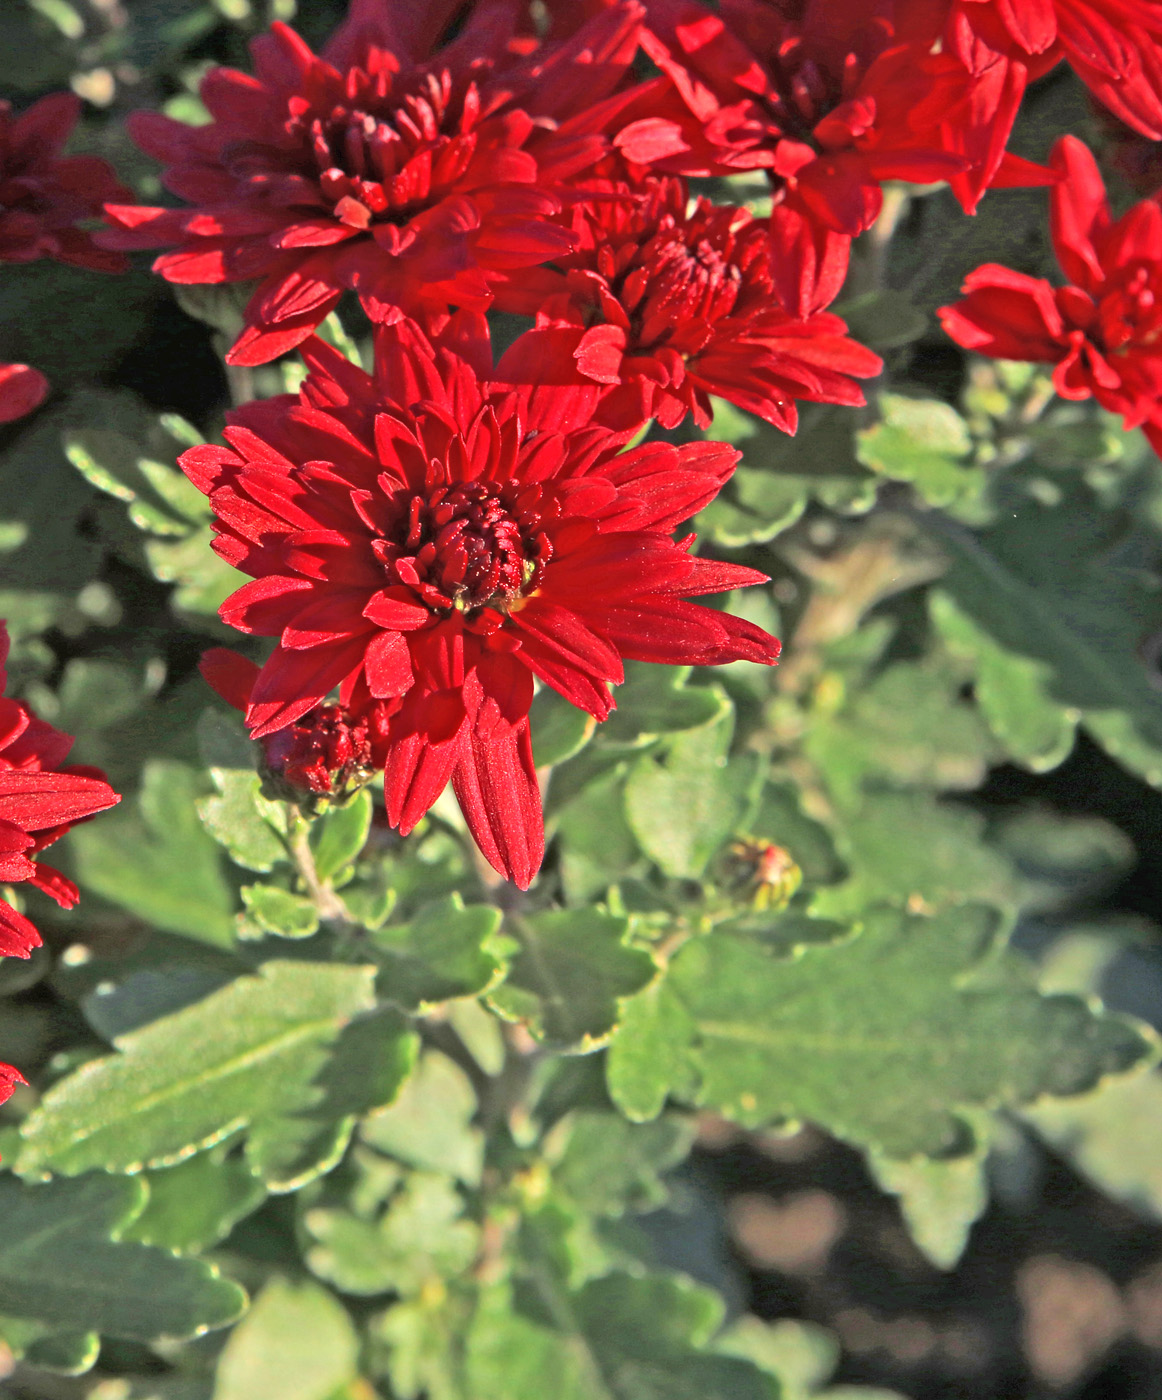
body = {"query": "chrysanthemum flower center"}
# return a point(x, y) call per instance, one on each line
point(683, 281)
point(468, 546)
point(1132, 314)
point(380, 156)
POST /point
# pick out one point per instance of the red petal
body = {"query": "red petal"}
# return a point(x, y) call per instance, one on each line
point(388, 665)
point(18, 937)
point(231, 676)
point(37, 801)
point(21, 390)
point(496, 785)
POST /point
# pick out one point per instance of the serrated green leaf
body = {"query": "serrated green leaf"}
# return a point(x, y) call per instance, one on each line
point(596, 846)
point(429, 1126)
point(1113, 1136)
point(68, 1352)
point(1012, 691)
point(157, 862)
point(340, 834)
point(884, 1039)
point(940, 1200)
point(907, 848)
point(297, 1343)
point(1068, 587)
point(421, 1239)
point(683, 801)
point(58, 1265)
point(280, 912)
point(617, 1337)
point(441, 953)
point(656, 700)
point(780, 475)
point(609, 1166)
point(925, 442)
point(907, 727)
point(202, 580)
point(244, 1057)
point(569, 976)
point(195, 1204)
point(369, 1062)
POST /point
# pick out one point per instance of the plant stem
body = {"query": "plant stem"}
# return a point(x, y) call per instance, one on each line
point(326, 901)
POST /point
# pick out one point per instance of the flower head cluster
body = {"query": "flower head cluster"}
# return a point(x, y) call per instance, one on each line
point(428, 542)
point(43, 197)
point(414, 172)
point(40, 799)
point(1102, 331)
point(829, 97)
point(666, 304)
point(1114, 46)
point(431, 540)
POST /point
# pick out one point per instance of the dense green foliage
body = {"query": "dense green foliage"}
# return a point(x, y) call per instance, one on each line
point(411, 1114)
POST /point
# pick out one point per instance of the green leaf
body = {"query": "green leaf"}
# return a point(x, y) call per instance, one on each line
point(609, 1166)
point(419, 1240)
point(1068, 587)
point(618, 1337)
point(683, 801)
point(161, 501)
point(940, 1200)
point(1113, 1136)
point(1013, 692)
point(49, 1348)
point(908, 728)
point(297, 1343)
point(883, 1040)
point(58, 1265)
point(884, 319)
point(195, 1204)
point(280, 912)
point(441, 953)
point(656, 700)
point(569, 976)
point(429, 1126)
point(594, 839)
point(47, 559)
point(247, 824)
point(925, 442)
point(559, 729)
point(242, 1058)
point(340, 834)
point(368, 1064)
point(781, 475)
point(157, 861)
point(907, 848)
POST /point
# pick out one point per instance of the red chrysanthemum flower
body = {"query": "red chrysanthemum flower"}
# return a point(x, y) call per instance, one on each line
point(44, 195)
point(667, 306)
point(822, 94)
point(9, 1079)
point(434, 539)
point(39, 801)
point(1103, 331)
point(415, 175)
point(1114, 46)
point(22, 389)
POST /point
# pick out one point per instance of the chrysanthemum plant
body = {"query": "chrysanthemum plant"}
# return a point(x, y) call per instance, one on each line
point(417, 586)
